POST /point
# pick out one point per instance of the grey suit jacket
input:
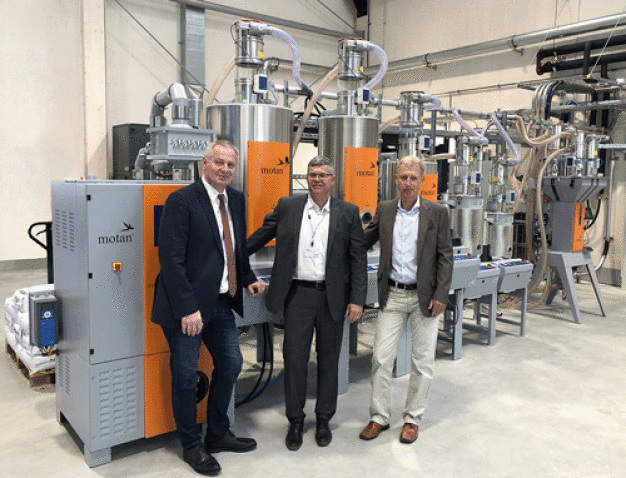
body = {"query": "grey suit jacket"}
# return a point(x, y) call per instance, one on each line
point(434, 250)
point(346, 259)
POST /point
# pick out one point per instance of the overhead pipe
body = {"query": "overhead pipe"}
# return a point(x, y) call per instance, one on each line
point(506, 43)
point(580, 64)
point(584, 48)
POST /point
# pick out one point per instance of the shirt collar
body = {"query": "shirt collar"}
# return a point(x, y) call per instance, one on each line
point(414, 209)
point(213, 192)
point(310, 204)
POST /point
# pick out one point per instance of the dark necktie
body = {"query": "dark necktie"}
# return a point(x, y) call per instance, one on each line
point(228, 245)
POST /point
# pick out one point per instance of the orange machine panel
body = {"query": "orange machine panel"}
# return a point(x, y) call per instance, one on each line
point(578, 228)
point(154, 196)
point(268, 180)
point(429, 187)
point(158, 415)
point(360, 178)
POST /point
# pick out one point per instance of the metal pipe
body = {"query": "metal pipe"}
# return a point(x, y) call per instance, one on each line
point(293, 91)
point(507, 43)
point(597, 105)
point(175, 94)
point(377, 101)
point(308, 67)
point(238, 12)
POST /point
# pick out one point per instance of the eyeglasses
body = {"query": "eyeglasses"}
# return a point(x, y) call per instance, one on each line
point(318, 175)
point(407, 177)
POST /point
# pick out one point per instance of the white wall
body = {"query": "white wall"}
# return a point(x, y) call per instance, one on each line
point(406, 28)
point(41, 93)
point(73, 69)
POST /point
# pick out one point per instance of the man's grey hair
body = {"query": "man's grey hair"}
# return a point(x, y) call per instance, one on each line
point(411, 162)
point(322, 161)
point(223, 143)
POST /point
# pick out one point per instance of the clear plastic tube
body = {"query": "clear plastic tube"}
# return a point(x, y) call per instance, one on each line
point(295, 51)
point(434, 103)
point(507, 138)
point(382, 69)
point(467, 127)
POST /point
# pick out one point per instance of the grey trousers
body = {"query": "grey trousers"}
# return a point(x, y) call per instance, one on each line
point(306, 310)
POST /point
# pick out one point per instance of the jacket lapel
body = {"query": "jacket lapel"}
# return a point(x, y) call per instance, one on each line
point(298, 212)
point(333, 223)
point(207, 207)
point(424, 220)
point(236, 218)
point(387, 219)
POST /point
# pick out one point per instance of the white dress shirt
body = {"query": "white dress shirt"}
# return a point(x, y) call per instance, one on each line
point(404, 248)
point(313, 242)
point(215, 202)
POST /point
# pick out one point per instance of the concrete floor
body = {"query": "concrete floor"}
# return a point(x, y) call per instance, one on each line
point(551, 404)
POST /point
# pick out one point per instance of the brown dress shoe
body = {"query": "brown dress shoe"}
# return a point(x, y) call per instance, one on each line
point(409, 433)
point(372, 430)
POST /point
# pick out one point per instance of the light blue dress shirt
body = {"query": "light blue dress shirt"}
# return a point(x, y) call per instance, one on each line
point(404, 248)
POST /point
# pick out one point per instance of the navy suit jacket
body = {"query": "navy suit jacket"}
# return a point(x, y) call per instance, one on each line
point(346, 259)
point(192, 258)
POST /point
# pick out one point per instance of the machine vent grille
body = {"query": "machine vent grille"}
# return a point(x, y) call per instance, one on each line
point(63, 373)
point(119, 403)
point(63, 227)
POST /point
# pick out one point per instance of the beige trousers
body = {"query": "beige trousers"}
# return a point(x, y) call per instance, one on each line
point(402, 307)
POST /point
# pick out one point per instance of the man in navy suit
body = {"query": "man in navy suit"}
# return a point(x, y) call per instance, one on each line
point(204, 267)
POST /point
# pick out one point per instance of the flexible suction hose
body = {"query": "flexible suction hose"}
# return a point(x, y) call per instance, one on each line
point(506, 137)
point(217, 84)
point(295, 52)
point(330, 76)
point(388, 123)
point(433, 103)
point(382, 69)
point(536, 279)
point(467, 127)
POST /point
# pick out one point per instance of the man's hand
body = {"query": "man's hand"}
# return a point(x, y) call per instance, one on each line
point(192, 324)
point(257, 288)
point(436, 307)
point(354, 312)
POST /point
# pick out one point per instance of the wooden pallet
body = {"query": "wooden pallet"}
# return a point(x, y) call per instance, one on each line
point(36, 380)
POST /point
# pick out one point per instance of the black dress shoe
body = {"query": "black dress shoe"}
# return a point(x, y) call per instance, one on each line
point(293, 440)
point(229, 442)
point(203, 463)
point(323, 435)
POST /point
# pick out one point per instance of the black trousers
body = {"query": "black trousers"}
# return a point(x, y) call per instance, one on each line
point(306, 309)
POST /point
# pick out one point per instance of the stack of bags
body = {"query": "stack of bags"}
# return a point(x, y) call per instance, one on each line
point(17, 328)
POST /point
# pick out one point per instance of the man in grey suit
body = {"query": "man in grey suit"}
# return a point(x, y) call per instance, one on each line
point(319, 278)
point(414, 276)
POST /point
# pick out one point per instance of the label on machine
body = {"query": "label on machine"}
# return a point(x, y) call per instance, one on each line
point(360, 179)
point(429, 187)
point(268, 180)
